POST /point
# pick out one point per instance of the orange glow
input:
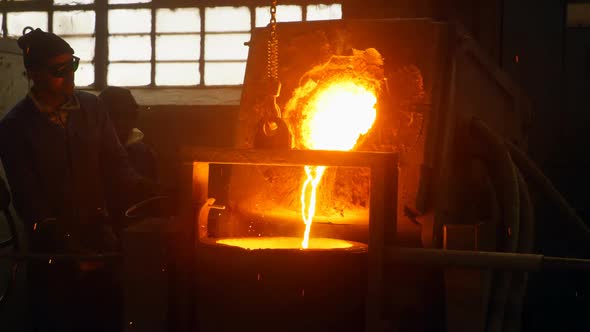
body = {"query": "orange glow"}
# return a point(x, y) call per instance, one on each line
point(253, 243)
point(338, 116)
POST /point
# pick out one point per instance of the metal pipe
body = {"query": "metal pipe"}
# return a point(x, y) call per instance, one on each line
point(482, 259)
point(491, 149)
point(526, 240)
point(61, 257)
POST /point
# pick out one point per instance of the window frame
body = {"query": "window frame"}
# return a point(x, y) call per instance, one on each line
point(101, 34)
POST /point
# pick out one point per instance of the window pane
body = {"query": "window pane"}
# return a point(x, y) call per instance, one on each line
point(114, 2)
point(285, 13)
point(85, 74)
point(17, 21)
point(224, 73)
point(177, 73)
point(179, 20)
point(128, 74)
point(83, 47)
point(178, 47)
point(73, 22)
point(130, 48)
point(226, 46)
point(324, 12)
point(227, 19)
point(130, 20)
point(72, 2)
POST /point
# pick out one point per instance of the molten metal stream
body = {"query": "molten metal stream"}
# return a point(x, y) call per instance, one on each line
point(337, 117)
point(314, 176)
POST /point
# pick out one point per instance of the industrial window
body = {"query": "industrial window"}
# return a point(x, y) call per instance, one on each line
point(77, 28)
point(178, 65)
point(226, 31)
point(70, 2)
point(130, 49)
point(17, 21)
point(139, 43)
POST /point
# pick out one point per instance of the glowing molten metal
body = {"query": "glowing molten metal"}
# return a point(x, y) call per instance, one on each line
point(285, 243)
point(337, 117)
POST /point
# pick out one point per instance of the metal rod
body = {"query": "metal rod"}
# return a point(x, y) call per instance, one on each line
point(153, 46)
point(60, 257)
point(202, 46)
point(45, 4)
point(287, 157)
point(101, 45)
point(482, 259)
point(560, 263)
point(172, 61)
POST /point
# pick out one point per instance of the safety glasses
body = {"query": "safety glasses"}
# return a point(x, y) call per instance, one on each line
point(63, 69)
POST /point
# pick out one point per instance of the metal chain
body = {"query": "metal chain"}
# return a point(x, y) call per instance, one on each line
point(273, 44)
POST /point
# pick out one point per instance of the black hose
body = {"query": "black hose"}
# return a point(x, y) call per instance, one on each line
point(514, 306)
point(510, 317)
point(493, 151)
point(526, 241)
point(496, 220)
point(541, 182)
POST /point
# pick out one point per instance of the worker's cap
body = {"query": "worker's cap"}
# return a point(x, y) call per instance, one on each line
point(39, 46)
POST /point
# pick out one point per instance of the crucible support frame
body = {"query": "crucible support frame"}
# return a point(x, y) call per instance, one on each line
point(382, 204)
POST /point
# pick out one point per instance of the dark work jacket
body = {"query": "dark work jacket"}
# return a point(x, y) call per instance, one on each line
point(61, 173)
point(143, 159)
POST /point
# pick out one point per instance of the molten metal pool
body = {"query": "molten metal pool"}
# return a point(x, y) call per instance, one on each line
point(253, 243)
point(269, 284)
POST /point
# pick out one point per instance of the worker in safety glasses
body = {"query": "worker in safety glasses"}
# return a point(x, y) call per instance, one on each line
point(60, 152)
